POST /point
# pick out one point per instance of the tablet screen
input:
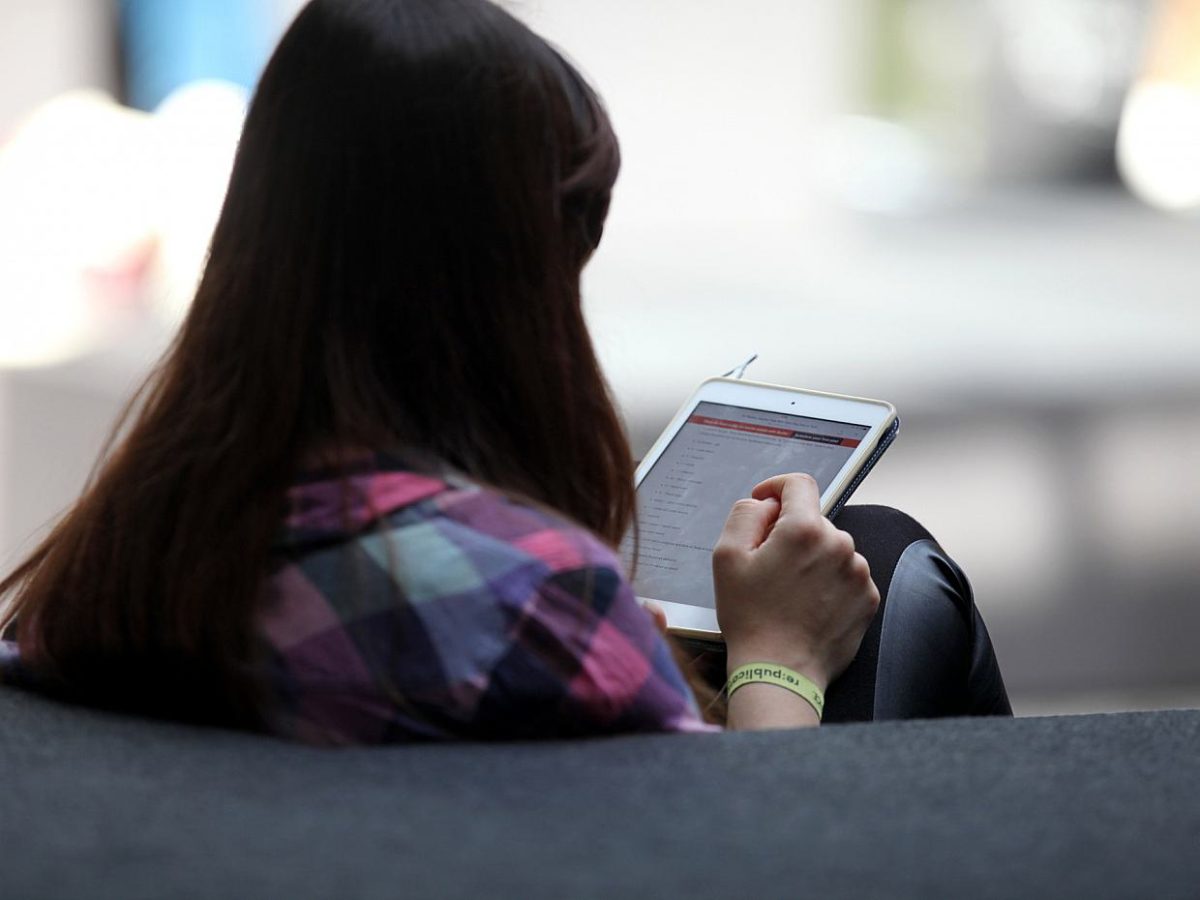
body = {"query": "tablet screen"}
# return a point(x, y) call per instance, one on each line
point(714, 460)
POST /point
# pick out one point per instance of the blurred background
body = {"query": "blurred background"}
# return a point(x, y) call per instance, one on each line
point(984, 211)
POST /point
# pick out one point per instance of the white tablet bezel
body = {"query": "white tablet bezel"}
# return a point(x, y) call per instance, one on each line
point(877, 415)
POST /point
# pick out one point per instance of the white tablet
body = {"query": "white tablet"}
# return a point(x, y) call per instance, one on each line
point(727, 438)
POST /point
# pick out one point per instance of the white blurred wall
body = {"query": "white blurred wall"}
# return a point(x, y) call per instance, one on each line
point(46, 47)
point(50, 46)
point(713, 102)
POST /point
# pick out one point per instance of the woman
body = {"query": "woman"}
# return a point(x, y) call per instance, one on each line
point(373, 489)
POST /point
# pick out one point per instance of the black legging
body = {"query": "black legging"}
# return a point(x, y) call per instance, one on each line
point(927, 653)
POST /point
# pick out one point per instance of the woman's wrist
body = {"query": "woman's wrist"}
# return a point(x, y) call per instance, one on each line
point(796, 658)
point(758, 705)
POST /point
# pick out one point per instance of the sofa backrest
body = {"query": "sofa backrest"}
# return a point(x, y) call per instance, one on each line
point(1093, 806)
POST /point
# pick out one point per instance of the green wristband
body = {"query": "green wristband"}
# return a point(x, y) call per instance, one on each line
point(772, 673)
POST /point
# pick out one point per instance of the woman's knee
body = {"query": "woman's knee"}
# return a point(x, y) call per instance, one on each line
point(934, 656)
point(881, 534)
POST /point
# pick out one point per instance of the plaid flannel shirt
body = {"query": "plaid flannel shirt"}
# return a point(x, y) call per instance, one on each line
point(411, 607)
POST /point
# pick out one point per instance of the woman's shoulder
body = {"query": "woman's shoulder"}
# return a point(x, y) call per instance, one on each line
point(391, 503)
point(529, 529)
point(408, 536)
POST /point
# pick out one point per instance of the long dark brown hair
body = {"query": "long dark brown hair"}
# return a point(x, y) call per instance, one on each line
point(396, 266)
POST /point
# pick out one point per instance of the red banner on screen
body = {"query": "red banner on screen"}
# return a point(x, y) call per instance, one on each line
point(773, 431)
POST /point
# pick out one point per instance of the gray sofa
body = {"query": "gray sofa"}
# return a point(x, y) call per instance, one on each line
point(96, 805)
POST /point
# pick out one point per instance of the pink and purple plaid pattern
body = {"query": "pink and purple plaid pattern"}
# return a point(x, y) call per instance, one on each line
point(407, 607)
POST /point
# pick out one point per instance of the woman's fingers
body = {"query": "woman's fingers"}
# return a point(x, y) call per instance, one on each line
point(747, 526)
point(800, 527)
point(796, 489)
point(798, 495)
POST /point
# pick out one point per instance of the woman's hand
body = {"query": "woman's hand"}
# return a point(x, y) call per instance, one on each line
point(790, 587)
